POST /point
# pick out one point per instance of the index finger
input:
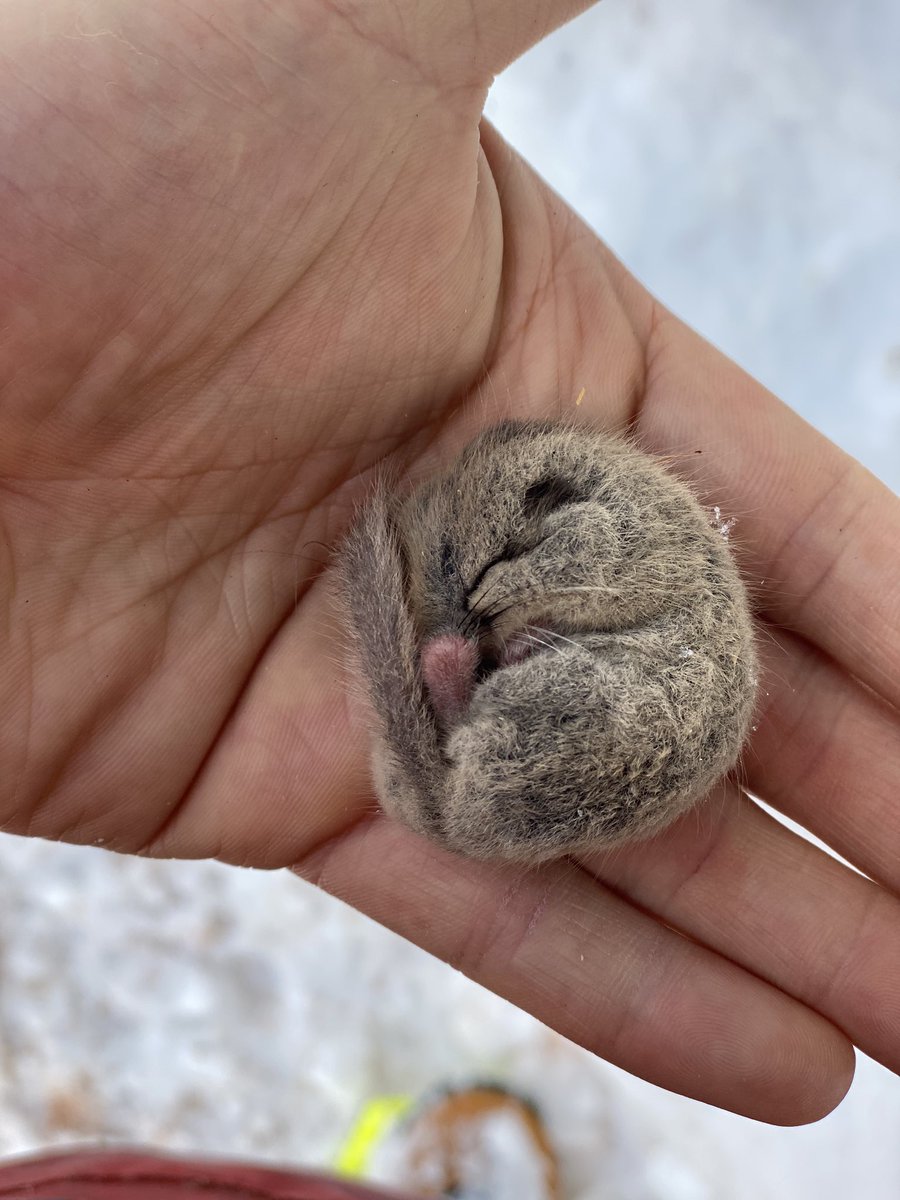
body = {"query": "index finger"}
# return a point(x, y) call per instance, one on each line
point(818, 536)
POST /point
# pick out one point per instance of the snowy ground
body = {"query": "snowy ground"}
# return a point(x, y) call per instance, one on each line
point(742, 156)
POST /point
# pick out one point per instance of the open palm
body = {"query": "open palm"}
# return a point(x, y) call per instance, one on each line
point(252, 252)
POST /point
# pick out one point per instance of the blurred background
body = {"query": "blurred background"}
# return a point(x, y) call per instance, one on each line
point(743, 158)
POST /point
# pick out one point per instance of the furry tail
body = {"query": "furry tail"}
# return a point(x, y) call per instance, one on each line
point(408, 762)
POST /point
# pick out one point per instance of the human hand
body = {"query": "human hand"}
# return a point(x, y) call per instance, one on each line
point(251, 252)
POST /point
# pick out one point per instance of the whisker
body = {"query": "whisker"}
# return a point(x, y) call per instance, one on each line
point(522, 597)
point(500, 612)
point(609, 591)
point(561, 637)
point(536, 641)
point(490, 588)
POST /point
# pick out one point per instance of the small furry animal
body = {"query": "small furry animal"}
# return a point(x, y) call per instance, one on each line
point(555, 642)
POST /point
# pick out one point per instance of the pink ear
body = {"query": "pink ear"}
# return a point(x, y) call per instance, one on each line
point(449, 663)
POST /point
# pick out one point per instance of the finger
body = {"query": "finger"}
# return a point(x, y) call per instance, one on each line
point(742, 884)
point(826, 752)
point(559, 276)
point(818, 535)
point(562, 946)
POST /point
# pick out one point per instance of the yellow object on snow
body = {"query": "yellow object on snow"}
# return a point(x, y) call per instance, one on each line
point(374, 1122)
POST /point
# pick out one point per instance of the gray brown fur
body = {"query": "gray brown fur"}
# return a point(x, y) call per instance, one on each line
point(645, 697)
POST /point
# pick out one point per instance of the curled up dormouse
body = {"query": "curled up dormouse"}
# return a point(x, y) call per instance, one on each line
point(555, 643)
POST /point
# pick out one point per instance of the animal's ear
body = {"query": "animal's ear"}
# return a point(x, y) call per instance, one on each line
point(550, 492)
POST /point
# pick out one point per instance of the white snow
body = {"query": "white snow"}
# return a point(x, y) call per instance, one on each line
point(742, 157)
point(202, 1007)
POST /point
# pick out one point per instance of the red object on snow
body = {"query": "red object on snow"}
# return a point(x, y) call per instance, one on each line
point(142, 1175)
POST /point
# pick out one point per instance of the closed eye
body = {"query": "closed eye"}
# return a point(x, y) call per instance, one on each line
point(507, 554)
point(541, 498)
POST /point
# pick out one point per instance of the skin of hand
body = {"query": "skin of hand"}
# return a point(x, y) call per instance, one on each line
point(254, 252)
